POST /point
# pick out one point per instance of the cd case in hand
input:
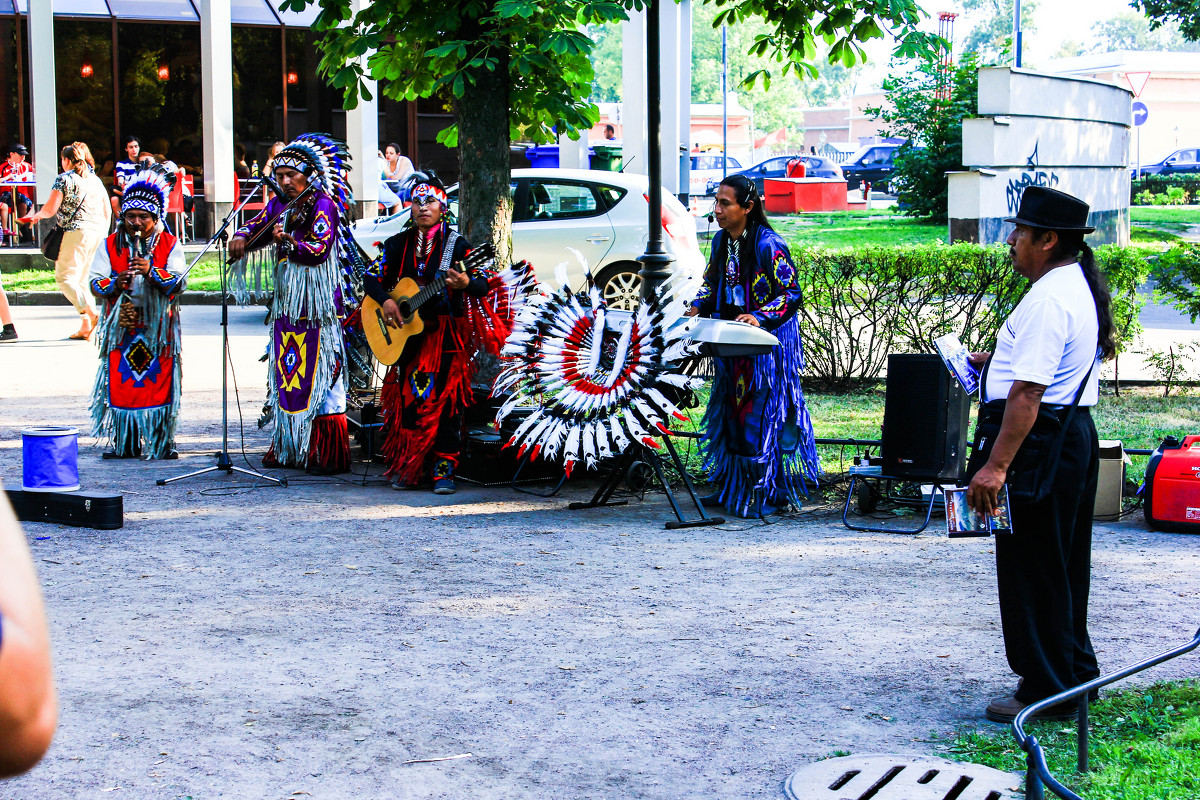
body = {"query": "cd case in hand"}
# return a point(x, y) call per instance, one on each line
point(956, 356)
point(962, 520)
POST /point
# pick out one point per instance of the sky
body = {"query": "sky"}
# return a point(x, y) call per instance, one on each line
point(1057, 21)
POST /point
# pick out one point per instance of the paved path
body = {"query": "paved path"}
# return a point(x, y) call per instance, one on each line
point(243, 641)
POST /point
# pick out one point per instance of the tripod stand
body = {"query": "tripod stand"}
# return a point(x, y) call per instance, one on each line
point(223, 463)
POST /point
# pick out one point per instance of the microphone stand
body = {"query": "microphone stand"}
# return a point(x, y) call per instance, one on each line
point(223, 462)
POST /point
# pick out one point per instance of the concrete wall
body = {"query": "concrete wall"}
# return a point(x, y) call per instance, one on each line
point(1034, 129)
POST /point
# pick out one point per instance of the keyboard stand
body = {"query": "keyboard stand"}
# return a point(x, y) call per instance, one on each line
point(640, 453)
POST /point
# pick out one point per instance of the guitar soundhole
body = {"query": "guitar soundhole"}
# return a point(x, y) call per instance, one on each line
point(405, 309)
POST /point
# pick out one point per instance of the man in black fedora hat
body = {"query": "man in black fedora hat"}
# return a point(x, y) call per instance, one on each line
point(1042, 378)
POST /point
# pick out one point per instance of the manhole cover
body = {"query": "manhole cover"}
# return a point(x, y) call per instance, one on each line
point(887, 777)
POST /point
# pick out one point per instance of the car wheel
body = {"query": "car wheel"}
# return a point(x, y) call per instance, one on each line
point(620, 285)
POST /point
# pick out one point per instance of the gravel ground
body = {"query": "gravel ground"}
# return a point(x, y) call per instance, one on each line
point(247, 641)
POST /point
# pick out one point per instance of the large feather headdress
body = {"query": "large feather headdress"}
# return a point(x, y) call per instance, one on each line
point(148, 191)
point(327, 161)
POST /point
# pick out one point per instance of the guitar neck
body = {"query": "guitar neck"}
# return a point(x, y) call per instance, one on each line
point(476, 257)
point(434, 287)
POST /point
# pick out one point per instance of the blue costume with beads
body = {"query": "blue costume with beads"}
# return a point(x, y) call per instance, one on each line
point(758, 441)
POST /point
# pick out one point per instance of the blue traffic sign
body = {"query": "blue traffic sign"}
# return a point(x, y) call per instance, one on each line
point(1140, 112)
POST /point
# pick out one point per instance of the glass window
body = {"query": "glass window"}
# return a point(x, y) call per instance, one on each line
point(611, 194)
point(297, 19)
point(82, 8)
point(561, 200)
point(252, 12)
point(160, 90)
point(83, 84)
point(170, 10)
point(258, 83)
point(14, 105)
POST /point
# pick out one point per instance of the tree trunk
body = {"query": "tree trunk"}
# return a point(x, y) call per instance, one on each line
point(485, 211)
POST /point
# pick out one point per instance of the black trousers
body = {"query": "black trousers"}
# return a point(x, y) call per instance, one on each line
point(1043, 570)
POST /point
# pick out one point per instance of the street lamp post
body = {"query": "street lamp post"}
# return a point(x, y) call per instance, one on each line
point(655, 260)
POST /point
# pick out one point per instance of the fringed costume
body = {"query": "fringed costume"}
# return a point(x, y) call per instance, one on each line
point(135, 400)
point(758, 442)
point(424, 398)
point(306, 389)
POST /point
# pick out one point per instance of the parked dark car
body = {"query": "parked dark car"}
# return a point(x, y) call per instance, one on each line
point(873, 164)
point(776, 167)
point(1177, 162)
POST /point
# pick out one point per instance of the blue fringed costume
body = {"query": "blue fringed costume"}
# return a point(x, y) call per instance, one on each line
point(758, 442)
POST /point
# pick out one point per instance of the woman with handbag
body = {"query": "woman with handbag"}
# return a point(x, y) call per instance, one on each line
point(1040, 441)
point(80, 200)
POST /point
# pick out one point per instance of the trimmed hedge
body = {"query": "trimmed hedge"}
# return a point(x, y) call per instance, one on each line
point(1165, 190)
point(860, 304)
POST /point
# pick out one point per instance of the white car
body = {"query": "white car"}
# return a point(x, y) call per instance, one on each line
point(583, 219)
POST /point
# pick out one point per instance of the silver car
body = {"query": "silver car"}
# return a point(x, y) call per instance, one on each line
point(581, 220)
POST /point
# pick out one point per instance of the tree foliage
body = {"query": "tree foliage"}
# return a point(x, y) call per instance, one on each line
point(1186, 13)
point(521, 68)
point(932, 127)
point(991, 31)
point(769, 110)
point(1130, 30)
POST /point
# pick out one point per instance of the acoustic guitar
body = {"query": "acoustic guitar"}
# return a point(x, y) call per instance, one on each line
point(394, 345)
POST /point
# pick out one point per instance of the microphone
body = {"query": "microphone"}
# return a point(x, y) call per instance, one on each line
point(270, 183)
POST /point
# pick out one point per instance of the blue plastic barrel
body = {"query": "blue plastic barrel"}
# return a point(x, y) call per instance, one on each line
point(50, 459)
point(542, 156)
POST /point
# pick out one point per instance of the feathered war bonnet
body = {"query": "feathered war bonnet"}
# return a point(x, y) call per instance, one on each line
point(148, 191)
point(324, 159)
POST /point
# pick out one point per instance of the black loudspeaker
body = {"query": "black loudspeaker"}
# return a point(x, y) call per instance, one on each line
point(925, 419)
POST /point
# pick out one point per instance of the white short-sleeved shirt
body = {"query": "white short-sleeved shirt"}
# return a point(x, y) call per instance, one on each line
point(1050, 339)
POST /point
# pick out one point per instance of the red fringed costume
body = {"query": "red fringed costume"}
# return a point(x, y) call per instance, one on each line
point(423, 399)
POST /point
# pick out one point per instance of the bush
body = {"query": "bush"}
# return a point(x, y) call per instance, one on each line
point(1176, 274)
point(861, 303)
point(1157, 186)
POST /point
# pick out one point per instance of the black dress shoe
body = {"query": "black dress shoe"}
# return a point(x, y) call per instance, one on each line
point(1005, 709)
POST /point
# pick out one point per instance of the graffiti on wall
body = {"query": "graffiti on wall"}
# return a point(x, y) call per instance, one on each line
point(1032, 177)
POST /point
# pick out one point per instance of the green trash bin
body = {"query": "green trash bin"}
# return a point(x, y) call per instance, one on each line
point(606, 157)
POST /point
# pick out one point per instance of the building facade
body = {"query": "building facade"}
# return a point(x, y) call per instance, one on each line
point(206, 83)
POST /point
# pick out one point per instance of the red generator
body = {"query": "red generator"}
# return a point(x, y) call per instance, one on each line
point(1172, 497)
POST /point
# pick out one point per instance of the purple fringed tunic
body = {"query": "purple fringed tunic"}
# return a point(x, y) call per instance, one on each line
point(757, 438)
point(306, 391)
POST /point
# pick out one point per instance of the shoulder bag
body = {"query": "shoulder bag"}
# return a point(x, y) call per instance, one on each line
point(52, 241)
point(1031, 474)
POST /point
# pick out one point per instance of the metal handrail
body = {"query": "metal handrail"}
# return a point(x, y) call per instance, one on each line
point(1037, 773)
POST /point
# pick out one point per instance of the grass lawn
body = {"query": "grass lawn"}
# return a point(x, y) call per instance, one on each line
point(1161, 234)
point(837, 229)
point(1165, 214)
point(1145, 745)
point(204, 278)
point(1140, 418)
point(855, 228)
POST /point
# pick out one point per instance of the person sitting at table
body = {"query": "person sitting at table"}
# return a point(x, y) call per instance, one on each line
point(125, 169)
point(398, 167)
point(16, 168)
